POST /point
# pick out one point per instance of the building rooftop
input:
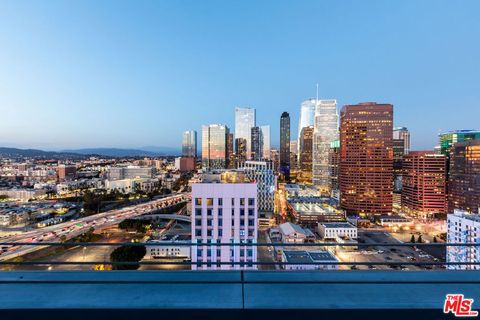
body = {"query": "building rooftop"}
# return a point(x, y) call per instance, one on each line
point(302, 256)
point(337, 225)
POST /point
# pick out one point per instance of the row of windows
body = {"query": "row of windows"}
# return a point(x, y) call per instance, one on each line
point(198, 212)
point(198, 222)
point(198, 233)
point(198, 201)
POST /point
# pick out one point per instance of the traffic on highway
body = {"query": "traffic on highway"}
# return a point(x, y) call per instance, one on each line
point(76, 227)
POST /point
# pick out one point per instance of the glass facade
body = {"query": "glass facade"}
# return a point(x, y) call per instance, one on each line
point(307, 117)
point(257, 143)
point(266, 141)
point(189, 144)
point(245, 119)
point(215, 146)
point(285, 144)
point(324, 133)
point(447, 139)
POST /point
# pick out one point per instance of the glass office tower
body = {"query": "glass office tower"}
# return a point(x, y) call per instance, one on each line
point(215, 146)
point(189, 144)
point(245, 119)
point(325, 131)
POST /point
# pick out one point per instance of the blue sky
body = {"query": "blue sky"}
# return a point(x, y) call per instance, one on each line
point(136, 73)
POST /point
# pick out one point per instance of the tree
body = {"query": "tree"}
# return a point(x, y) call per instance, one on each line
point(412, 239)
point(127, 254)
point(420, 240)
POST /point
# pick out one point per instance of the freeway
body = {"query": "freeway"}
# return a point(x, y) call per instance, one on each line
point(79, 226)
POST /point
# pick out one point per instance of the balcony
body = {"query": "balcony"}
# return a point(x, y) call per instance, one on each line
point(231, 294)
point(326, 294)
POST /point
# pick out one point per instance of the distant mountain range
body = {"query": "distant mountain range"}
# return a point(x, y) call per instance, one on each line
point(118, 152)
point(108, 152)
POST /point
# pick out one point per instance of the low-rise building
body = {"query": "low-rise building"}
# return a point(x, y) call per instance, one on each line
point(293, 233)
point(334, 230)
point(308, 260)
point(169, 247)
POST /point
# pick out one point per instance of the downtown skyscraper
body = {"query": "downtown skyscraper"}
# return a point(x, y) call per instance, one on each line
point(245, 120)
point(189, 144)
point(464, 177)
point(266, 141)
point(307, 118)
point(285, 145)
point(215, 146)
point(325, 131)
point(366, 159)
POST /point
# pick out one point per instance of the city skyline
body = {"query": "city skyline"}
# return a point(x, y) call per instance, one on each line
point(114, 77)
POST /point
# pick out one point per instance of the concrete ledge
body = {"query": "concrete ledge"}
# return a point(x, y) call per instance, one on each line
point(234, 290)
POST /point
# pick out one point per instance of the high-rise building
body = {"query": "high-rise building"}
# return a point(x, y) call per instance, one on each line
point(334, 167)
point(463, 227)
point(240, 151)
point(285, 145)
point(66, 172)
point(215, 146)
point(424, 184)
point(230, 153)
point(306, 150)
point(325, 131)
point(224, 210)
point(245, 119)
point(263, 174)
point(307, 115)
point(293, 156)
point(189, 144)
point(464, 176)
point(257, 144)
point(266, 141)
point(366, 159)
point(401, 133)
point(401, 147)
point(448, 139)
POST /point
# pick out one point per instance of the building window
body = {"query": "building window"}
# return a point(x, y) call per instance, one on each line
point(209, 212)
point(233, 201)
point(198, 201)
point(220, 201)
point(198, 212)
point(209, 233)
point(198, 222)
point(220, 212)
point(209, 202)
point(251, 201)
point(220, 232)
point(198, 233)
point(242, 212)
point(251, 222)
point(250, 212)
point(242, 201)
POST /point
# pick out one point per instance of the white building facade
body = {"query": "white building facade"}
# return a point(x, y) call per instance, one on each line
point(333, 230)
point(224, 213)
point(263, 174)
point(463, 227)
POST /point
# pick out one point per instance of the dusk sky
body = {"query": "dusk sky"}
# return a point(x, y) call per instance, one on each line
point(138, 73)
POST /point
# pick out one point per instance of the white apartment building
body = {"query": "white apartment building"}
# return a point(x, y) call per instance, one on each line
point(224, 210)
point(463, 227)
point(263, 174)
point(334, 230)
